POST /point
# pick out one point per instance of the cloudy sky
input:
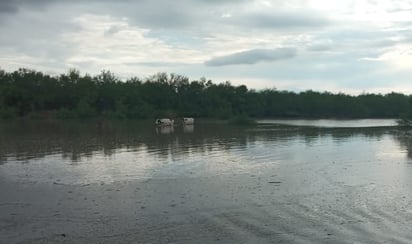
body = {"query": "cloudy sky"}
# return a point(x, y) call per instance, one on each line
point(351, 46)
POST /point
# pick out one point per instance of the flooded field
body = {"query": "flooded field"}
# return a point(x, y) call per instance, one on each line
point(317, 181)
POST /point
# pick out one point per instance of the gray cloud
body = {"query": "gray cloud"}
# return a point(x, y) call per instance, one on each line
point(13, 6)
point(253, 56)
point(279, 20)
point(159, 14)
point(8, 7)
point(176, 36)
point(112, 30)
point(180, 14)
point(200, 14)
point(157, 64)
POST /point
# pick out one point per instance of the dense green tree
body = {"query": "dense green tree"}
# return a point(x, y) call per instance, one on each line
point(28, 93)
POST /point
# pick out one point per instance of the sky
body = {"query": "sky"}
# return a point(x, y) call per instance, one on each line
point(350, 46)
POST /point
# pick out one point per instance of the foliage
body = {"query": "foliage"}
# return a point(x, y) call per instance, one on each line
point(29, 93)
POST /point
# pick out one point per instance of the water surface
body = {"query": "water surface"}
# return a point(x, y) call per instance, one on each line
point(333, 123)
point(207, 183)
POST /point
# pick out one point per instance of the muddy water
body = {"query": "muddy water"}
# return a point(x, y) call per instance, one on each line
point(108, 182)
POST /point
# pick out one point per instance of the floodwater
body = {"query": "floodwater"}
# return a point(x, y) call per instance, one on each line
point(332, 123)
point(277, 182)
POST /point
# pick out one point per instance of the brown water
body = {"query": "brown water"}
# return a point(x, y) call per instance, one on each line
point(132, 182)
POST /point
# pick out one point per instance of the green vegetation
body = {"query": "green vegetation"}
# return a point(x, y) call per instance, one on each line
point(32, 94)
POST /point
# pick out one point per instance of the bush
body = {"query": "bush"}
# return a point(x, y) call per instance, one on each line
point(65, 113)
point(8, 113)
point(84, 110)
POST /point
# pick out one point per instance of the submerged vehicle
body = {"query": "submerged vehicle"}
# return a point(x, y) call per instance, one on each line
point(164, 122)
point(188, 121)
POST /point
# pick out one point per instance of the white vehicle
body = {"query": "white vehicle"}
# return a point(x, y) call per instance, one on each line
point(164, 122)
point(188, 121)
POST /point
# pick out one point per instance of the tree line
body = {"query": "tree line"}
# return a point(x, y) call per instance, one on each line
point(33, 94)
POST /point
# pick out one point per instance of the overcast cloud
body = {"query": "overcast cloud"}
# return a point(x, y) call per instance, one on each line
point(253, 56)
point(351, 46)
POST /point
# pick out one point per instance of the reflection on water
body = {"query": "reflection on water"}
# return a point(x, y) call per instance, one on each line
point(140, 149)
point(170, 129)
point(188, 128)
point(333, 123)
point(25, 141)
point(404, 138)
point(164, 130)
